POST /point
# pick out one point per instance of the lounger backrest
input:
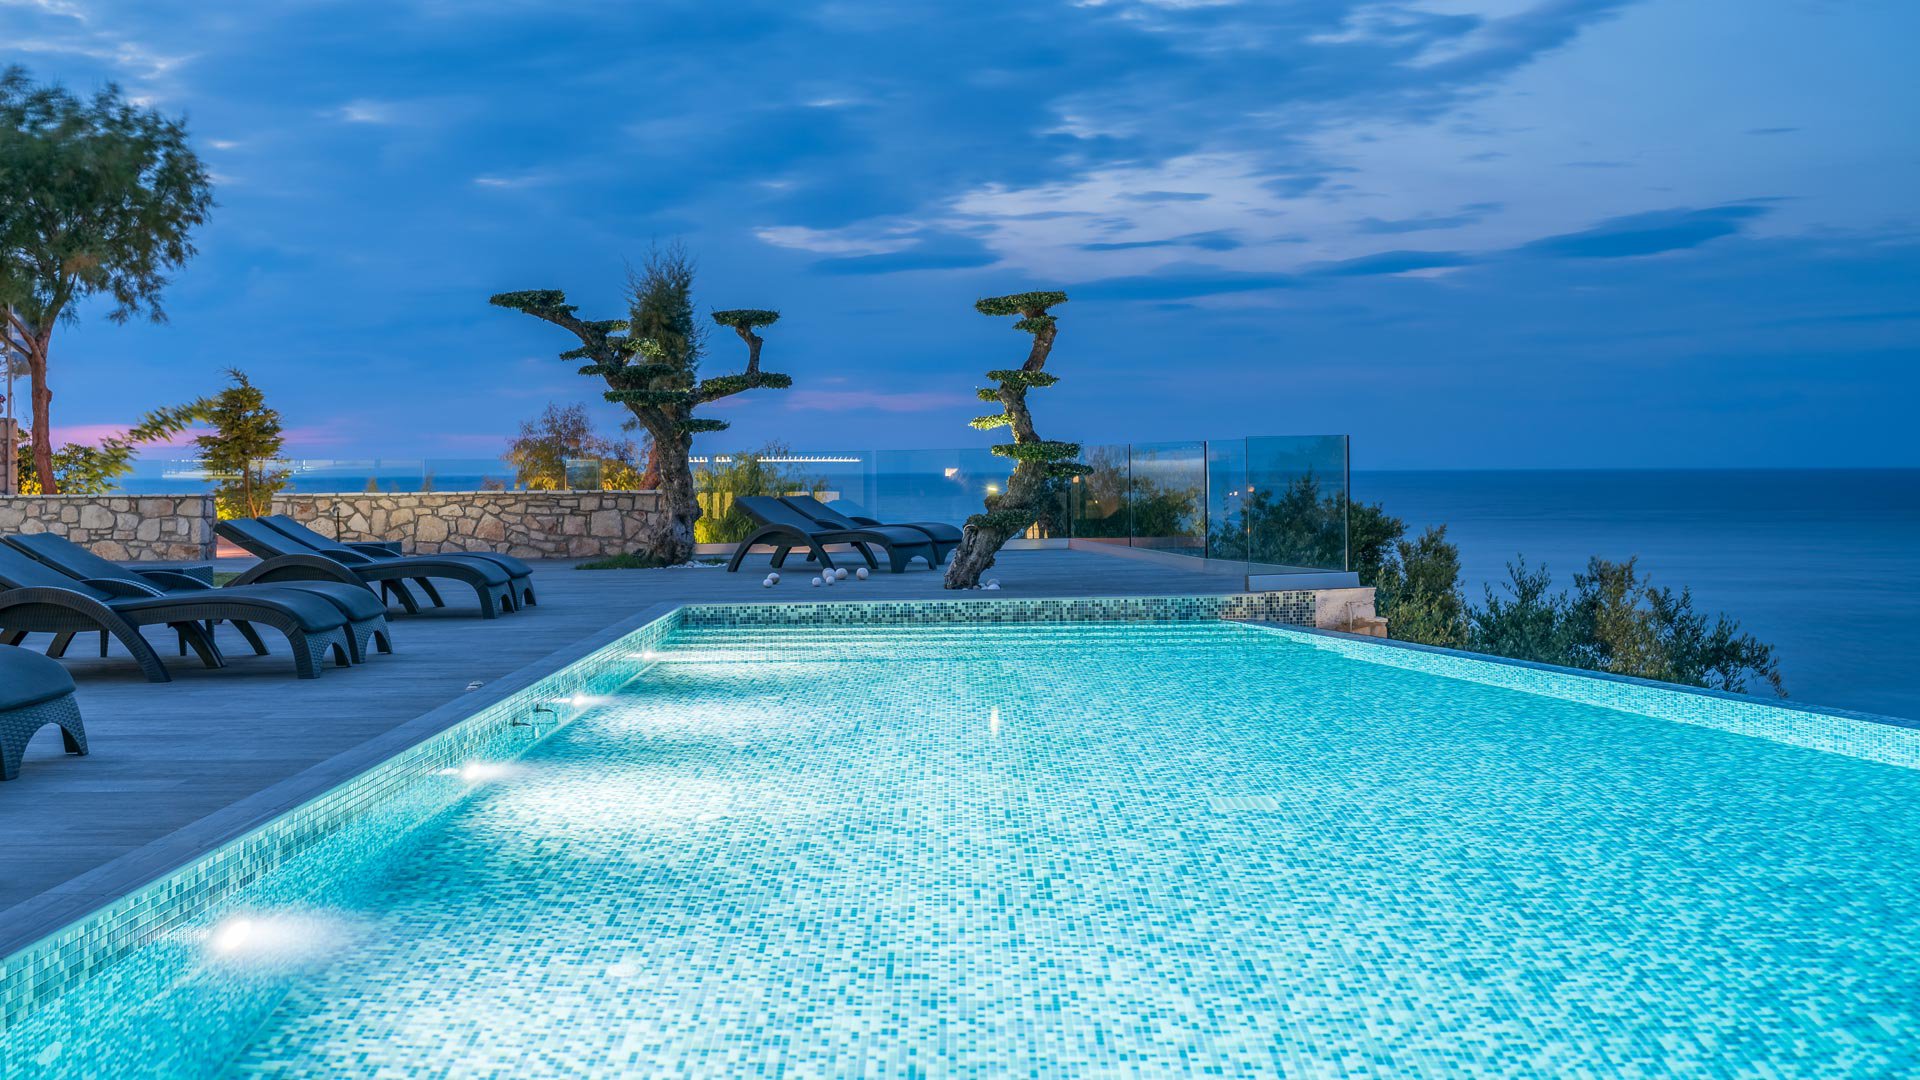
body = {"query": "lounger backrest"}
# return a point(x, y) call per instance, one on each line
point(70, 558)
point(18, 570)
point(285, 525)
point(260, 540)
point(771, 511)
point(818, 511)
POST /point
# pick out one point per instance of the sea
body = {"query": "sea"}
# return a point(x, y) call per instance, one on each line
point(1822, 564)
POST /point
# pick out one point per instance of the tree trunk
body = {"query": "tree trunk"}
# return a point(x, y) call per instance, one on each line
point(980, 543)
point(974, 556)
point(672, 542)
point(42, 417)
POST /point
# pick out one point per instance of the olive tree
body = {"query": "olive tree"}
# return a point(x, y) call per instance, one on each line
point(650, 363)
point(98, 197)
point(1039, 464)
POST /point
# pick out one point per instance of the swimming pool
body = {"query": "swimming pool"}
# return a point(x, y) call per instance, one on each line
point(1085, 848)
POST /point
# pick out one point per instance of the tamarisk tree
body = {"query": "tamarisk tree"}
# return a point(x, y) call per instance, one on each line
point(650, 364)
point(1038, 463)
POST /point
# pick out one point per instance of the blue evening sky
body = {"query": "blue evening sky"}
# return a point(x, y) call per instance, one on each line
point(1470, 232)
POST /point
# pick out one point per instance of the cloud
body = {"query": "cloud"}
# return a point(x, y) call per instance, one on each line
point(930, 251)
point(1467, 215)
point(1165, 196)
point(1772, 130)
point(1178, 285)
point(875, 240)
point(1215, 240)
point(1649, 234)
point(1394, 262)
point(365, 111)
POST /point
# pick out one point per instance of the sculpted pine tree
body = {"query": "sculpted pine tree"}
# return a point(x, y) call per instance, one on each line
point(1037, 462)
point(650, 364)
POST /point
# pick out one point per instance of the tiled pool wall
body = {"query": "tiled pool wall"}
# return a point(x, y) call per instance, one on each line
point(387, 799)
point(1885, 739)
point(1293, 607)
point(412, 786)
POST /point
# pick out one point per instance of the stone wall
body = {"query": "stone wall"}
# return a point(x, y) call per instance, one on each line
point(137, 528)
point(527, 524)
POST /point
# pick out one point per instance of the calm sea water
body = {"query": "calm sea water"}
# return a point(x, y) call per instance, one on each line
point(1824, 564)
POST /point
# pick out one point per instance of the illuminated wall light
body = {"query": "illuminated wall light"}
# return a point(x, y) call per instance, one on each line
point(280, 939)
point(993, 489)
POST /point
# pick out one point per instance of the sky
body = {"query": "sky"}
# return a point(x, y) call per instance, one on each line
point(1469, 233)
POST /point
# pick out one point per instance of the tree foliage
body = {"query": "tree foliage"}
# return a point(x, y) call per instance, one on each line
point(240, 452)
point(1614, 619)
point(98, 197)
point(540, 452)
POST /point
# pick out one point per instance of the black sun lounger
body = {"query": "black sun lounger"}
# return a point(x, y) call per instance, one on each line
point(286, 559)
point(785, 528)
point(34, 692)
point(519, 573)
point(366, 616)
point(942, 536)
point(37, 599)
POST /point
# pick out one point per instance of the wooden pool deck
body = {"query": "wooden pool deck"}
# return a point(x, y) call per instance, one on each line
point(82, 831)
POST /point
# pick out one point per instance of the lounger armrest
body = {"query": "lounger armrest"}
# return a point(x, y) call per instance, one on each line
point(174, 580)
point(300, 568)
point(123, 587)
point(378, 547)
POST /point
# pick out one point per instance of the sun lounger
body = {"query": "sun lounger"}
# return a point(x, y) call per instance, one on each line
point(519, 573)
point(34, 692)
point(366, 615)
point(37, 599)
point(839, 515)
point(286, 559)
point(785, 528)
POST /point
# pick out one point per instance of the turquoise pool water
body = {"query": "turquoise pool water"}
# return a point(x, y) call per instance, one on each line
point(1074, 850)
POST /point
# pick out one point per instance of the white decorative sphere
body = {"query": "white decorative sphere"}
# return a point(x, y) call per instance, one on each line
point(828, 578)
point(816, 583)
point(766, 583)
point(775, 578)
point(861, 573)
point(993, 585)
point(840, 573)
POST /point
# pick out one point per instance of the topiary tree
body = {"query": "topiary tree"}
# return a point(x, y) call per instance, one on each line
point(651, 365)
point(1038, 463)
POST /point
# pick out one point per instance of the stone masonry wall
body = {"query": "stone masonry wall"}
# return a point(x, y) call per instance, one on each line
point(136, 528)
point(527, 524)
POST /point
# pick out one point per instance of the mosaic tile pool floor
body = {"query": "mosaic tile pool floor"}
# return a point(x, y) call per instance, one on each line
point(1105, 850)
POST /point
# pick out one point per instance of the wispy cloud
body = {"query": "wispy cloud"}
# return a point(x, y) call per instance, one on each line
point(1649, 234)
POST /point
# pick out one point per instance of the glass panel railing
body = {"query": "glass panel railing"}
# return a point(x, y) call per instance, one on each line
point(1167, 497)
point(1227, 499)
point(1273, 504)
point(1100, 498)
point(1296, 503)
